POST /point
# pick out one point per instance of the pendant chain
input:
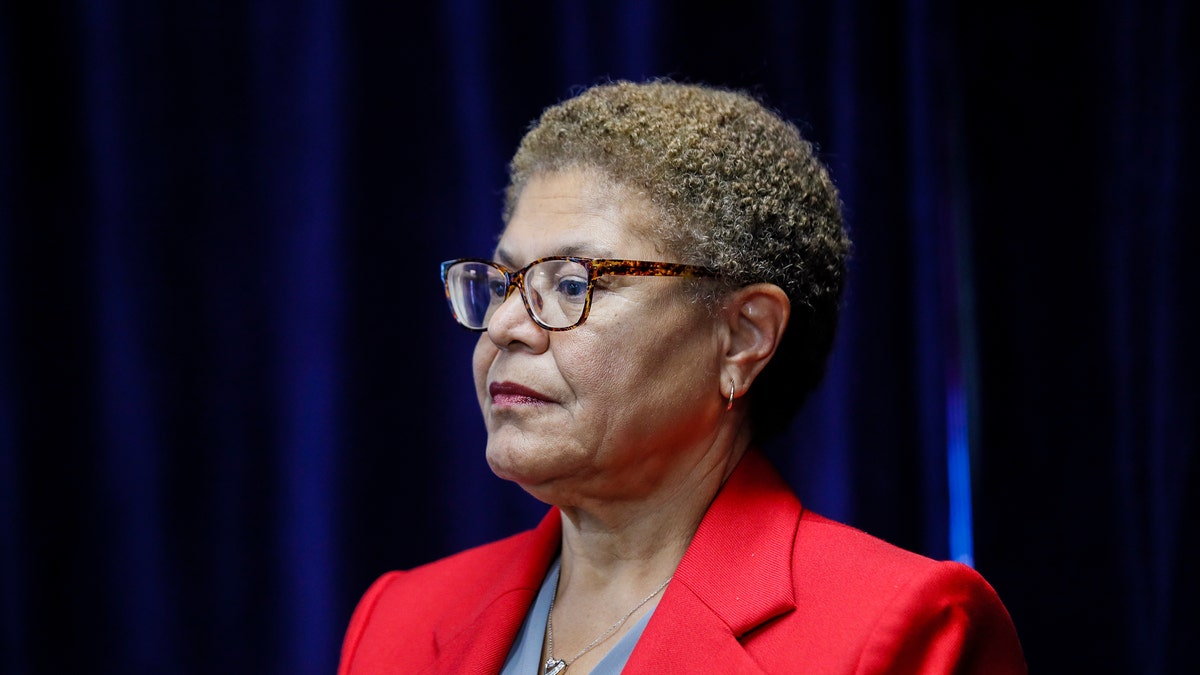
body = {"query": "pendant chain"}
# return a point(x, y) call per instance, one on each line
point(554, 666)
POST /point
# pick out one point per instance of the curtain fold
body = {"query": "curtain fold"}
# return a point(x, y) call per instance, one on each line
point(1155, 392)
point(298, 82)
point(131, 482)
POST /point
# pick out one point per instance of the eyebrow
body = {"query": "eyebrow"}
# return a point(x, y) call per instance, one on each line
point(577, 250)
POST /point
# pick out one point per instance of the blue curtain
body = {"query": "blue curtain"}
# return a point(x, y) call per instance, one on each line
point(231, 394)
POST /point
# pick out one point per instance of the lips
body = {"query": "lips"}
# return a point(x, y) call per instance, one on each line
point(513, 394)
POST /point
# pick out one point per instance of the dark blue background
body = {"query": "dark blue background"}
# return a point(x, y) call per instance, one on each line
point(231, 394)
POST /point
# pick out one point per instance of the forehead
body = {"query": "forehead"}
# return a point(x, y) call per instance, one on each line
point(576, 212)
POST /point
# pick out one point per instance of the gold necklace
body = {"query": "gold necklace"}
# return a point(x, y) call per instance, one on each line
point(555, 666)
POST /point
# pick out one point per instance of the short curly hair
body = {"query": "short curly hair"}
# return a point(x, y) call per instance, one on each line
point(738, 190)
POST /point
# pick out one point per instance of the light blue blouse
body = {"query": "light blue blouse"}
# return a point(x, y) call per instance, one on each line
point(525, 657)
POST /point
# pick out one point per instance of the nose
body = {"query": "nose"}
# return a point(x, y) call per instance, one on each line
point(511, 326)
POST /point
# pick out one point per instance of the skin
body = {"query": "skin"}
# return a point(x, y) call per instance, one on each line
point(622, 421)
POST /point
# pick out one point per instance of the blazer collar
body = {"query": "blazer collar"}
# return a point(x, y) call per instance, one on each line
point(480, 640)
point(735, 576)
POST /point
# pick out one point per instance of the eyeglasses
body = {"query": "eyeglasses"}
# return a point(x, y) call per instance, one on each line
point(557, 291)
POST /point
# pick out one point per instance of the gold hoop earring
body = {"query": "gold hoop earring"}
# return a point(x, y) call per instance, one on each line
point(732, 387)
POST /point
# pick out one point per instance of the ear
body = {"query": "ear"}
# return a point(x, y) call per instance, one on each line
point(755, 317)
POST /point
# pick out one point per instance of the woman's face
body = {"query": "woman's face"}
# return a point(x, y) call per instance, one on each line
point(610, 408)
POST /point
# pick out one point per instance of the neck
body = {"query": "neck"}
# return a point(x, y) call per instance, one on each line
point(636, 543)
point(616, 552)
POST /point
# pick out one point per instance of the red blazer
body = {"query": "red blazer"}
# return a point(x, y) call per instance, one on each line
point(764, 587)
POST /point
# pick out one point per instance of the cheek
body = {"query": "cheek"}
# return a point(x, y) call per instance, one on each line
point(672, 366)
point(630, 371)
point(596, 375)
point(481, 362)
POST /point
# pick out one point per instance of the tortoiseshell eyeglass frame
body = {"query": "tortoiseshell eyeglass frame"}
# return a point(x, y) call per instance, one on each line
point(596, 268)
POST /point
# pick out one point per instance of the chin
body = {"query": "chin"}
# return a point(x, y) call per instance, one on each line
point(515, 463)
point(530, 468)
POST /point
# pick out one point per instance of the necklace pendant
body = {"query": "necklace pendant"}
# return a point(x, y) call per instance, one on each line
point(554, 666)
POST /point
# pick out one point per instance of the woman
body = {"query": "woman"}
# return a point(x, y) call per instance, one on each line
point(630, 395)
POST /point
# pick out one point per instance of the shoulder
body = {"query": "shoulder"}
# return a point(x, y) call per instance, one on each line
point(831, 556)
point(461, 570)
point(890, 610)
point(396, 619)
point(834, 551)
point(462, 574)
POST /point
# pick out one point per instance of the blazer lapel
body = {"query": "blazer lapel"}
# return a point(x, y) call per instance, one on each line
point(480, 644)
point(735, 576)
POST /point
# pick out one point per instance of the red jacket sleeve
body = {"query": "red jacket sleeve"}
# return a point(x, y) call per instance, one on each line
point(360, 618)
point(945, 620)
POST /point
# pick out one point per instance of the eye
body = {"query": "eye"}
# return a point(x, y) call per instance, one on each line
point(498, 287)
point(573, 288)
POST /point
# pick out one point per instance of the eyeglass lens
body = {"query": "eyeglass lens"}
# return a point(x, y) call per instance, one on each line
point(555, 292)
